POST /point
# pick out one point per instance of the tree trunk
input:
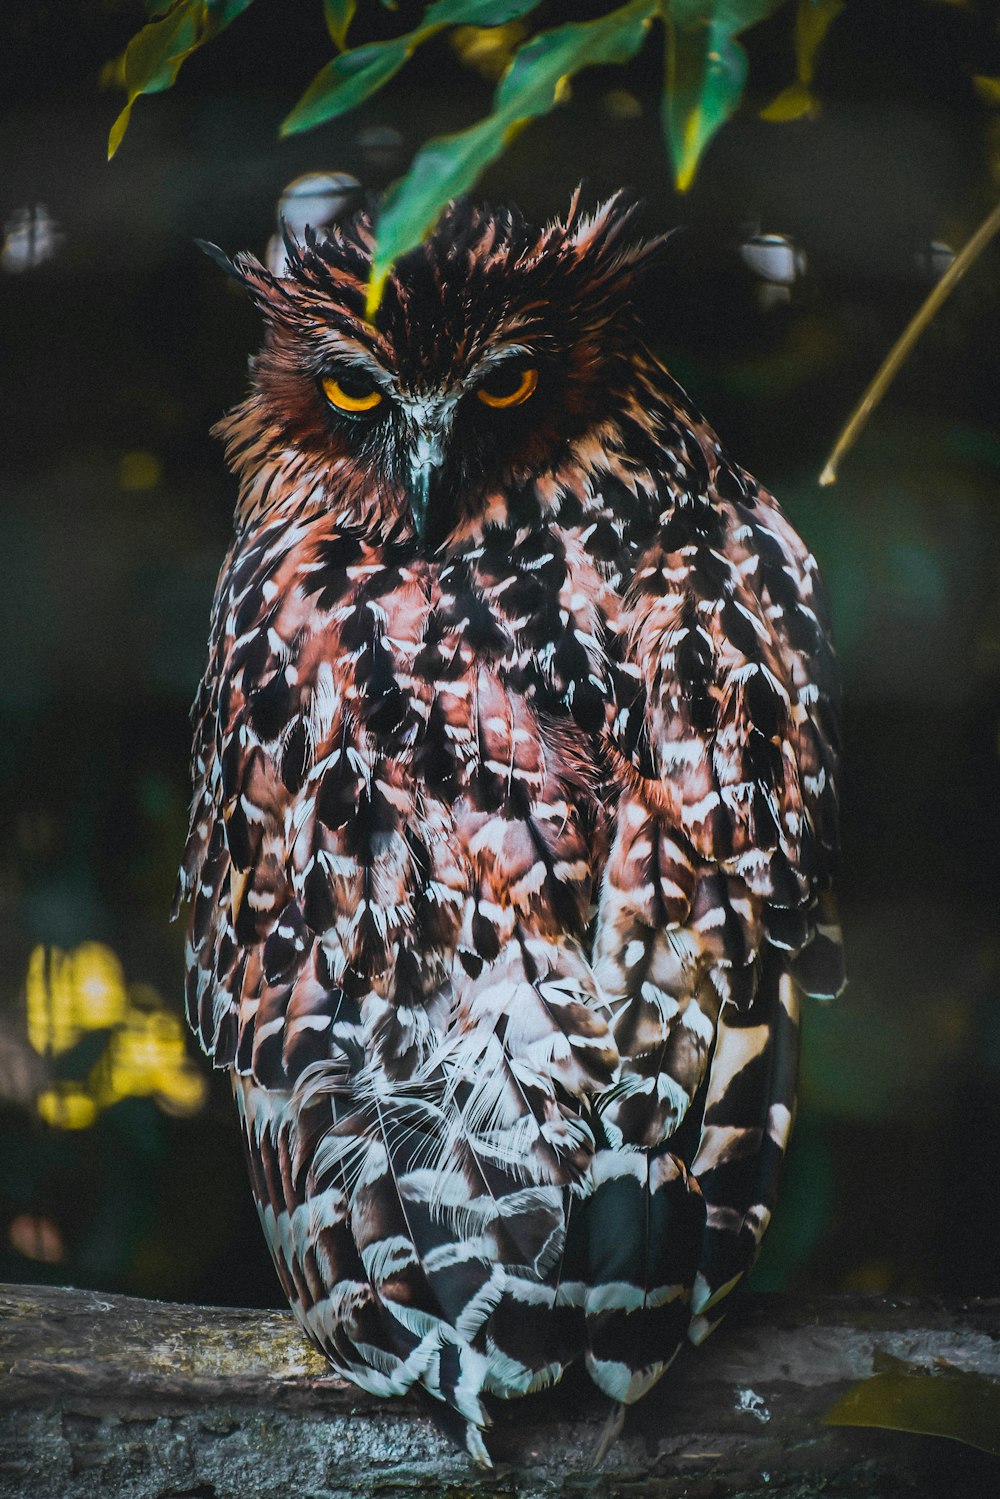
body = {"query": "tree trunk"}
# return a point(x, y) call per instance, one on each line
point(124, 1399)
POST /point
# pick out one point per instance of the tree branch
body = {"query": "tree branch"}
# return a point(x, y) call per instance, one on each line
point(126, 1399)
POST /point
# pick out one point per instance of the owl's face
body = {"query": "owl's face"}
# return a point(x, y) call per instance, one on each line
point(496, 353)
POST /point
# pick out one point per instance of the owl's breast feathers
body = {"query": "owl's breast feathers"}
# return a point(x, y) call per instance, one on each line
point(505, 872)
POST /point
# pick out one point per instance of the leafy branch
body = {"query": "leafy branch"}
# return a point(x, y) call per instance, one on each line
point(704, 77)
point(705, 70)
point(155, 55)
point(894, 360)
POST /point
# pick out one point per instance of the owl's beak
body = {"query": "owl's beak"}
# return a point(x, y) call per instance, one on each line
point(427, 467)
point(422, 491)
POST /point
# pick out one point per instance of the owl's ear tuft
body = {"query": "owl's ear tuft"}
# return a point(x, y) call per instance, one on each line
point(220, 257)
point(604, 257)
point(266, 290)
point(605, 240)
point(293, 250)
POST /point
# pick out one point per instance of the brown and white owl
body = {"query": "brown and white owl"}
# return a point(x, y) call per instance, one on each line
point(514, 815)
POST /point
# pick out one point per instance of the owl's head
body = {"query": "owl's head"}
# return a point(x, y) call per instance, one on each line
point(500, 358)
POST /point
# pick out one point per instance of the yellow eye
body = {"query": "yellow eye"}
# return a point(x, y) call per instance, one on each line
point(352, 392)
point(508, 388)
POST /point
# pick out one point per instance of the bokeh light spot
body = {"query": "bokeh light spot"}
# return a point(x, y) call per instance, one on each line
point(37, 1238)
point(139, 470)
point(71, 993)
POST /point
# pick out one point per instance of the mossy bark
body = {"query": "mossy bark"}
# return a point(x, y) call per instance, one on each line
point(124, 1399)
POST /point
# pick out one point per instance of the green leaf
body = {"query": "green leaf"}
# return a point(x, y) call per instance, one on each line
point(154, 56)
point(338, 15)
point(944, 1403)
point(734, 16)
point(348, 80)
point(345, 82)
point(705, 72)
point(793, 103)
point(534, 80)
point(812, 21)
point(533, 84)
point(442, 169)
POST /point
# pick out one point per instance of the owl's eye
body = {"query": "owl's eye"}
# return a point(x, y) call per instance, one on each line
point(352, 391)
point(510, 386)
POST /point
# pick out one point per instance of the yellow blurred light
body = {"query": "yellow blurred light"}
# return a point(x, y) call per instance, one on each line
point(796, 102)
point(69, 993)
point(870, 1277)
point(146, 1057)
point(488, 49)
point(139, 470)
point(622, 105)
point(987, 88)
point(99, 985)
point(67, 1107)
point(184, 1091)
point(112, 74)
point(51, 1027)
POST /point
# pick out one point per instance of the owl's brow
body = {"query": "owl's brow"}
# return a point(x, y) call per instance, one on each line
point(344, 351)
point(500, 354)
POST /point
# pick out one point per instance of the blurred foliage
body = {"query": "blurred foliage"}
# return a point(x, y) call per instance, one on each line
point(704, 77)
point(705, 72)
point(153, 58)
point(537, 78)
point(946, 1402)
point(812, 20)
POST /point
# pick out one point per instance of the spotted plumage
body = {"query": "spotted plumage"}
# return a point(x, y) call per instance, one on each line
point(514, 814)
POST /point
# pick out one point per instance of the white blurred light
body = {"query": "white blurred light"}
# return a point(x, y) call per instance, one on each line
point(777, 261)
point(934, 259)
point(316, 200)
point(31, 236)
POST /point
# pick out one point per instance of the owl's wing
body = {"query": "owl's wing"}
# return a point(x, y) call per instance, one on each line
point(715, 907)
point(265, 735)
point(413, 1140)
point(302, 827)
point(296, 853)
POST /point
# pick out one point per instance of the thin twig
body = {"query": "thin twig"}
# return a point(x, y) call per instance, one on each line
point(890, 366)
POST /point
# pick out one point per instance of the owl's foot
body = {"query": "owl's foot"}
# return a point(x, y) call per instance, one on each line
point(461, 1432)
point(610, 1434)
point(476, 1447)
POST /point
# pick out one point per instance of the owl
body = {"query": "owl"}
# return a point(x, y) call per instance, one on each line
point(514, 816)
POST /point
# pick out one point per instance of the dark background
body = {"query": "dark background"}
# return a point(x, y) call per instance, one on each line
point(123, 345)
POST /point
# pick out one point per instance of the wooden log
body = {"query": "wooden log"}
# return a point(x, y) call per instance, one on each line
point(124, 1399)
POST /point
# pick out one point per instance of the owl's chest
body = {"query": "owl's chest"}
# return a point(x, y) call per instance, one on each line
point(420, 748)
point(410, 650)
